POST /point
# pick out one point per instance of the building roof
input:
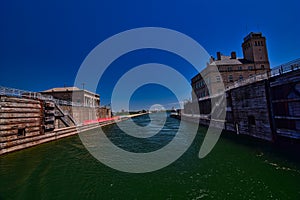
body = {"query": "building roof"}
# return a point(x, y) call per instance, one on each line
point(62, 89)
point(227, 60)
point(68, 89)
point(253, 35)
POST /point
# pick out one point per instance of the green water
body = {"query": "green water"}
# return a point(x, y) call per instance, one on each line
point(235, 169)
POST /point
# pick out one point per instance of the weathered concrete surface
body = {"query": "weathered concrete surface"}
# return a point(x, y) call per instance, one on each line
point(250, 110)
point(19, 118)
point(285, 98)
point(23, 122)
point(247, 111)
point(81, 114)
point(22, 143)
point(17, 143)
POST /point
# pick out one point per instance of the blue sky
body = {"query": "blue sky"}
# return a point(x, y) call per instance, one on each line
point(43, 43)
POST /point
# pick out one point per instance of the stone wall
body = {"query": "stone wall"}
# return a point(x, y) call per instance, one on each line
point(250, 110)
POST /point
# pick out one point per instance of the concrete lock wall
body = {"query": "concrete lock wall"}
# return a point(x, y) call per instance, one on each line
point(21, 120)
point(81, 114)
point(250, 110)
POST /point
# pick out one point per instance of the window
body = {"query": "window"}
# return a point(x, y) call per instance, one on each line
point(230, 78)
point(255, 44)
point(21, 132)
point(262, 43)
point(218, 78)
point(229, 69)
point(241, 77)
point(262, 67)
point(250, 67)
point(207, 81)
point(203, 94)
point(251, 120)
point(240, 68)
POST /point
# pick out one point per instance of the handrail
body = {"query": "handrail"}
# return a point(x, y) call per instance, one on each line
point(36, 95)
point(276, 71)
point(287, 67)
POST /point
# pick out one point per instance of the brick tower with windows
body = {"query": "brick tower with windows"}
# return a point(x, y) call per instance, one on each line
point(255, 50)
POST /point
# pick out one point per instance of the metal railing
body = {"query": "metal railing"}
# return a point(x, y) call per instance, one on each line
point(16, 92)
point(252, 79)
point(276, 71)
point(35, 95)
point(287, 67)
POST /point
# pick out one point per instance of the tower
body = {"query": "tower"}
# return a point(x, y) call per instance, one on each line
point(255, 51)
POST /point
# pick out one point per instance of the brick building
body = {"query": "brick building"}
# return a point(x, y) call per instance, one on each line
point(228, 69)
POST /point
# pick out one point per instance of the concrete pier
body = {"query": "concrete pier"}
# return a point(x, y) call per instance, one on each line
point(26, 122)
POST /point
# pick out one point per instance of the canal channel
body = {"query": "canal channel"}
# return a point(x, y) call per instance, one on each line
point(237, 168)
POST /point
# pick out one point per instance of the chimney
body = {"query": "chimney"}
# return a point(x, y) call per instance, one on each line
point(233, 55)
point(218, 55)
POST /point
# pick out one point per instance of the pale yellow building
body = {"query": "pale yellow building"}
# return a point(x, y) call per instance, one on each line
point(76, 95)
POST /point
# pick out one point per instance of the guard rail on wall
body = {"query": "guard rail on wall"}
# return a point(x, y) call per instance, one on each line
point(35, 95)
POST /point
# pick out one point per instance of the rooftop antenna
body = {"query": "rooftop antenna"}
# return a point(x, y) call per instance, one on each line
point(83, 85)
